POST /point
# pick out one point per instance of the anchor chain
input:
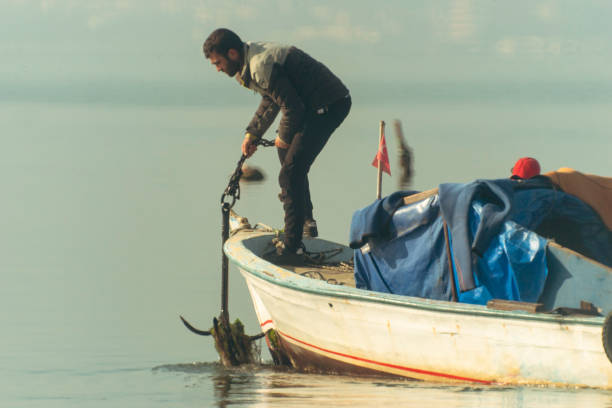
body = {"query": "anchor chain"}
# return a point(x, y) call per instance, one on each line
point(224, 315)
point(226, 344)
point(233, 191)
point(233, 187)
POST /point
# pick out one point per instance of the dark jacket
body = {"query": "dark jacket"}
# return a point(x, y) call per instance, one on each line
point(289, 80)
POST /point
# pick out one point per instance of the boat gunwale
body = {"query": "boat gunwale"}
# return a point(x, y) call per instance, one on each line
point(235, 245)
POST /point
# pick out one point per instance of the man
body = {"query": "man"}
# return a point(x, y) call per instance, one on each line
point(313, 102)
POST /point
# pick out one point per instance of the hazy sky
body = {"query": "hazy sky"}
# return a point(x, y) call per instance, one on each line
point(52, 48)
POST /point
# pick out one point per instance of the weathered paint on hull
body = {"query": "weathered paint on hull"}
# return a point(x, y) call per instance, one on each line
point(351, 330)
point(310, 358)
point(321, 332)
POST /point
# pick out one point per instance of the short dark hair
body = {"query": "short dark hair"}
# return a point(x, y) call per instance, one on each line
point(221, 41)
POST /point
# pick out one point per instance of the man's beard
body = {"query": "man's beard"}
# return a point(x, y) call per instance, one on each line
point(232, 67)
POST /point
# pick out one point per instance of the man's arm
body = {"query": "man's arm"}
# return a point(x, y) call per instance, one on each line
point(263, 118)
point(281, 95)
point(284, 94)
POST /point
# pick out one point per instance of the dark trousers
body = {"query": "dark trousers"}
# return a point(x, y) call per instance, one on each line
point(296, 162)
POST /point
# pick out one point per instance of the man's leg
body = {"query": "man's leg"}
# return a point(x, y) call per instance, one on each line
point(292, 180)
point(300, 155)
point(282, 153)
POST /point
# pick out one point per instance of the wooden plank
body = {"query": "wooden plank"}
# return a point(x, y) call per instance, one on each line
point(501, 304)
point(419, 196)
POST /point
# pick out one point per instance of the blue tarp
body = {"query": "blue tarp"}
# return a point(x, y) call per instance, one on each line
point(512, 267)
point(390, 266)
point(494, 250)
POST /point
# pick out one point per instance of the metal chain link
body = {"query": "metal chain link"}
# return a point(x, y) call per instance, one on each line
point(232, 190)
point(233, 187)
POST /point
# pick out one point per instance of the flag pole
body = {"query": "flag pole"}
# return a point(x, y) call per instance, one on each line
point(379, 183)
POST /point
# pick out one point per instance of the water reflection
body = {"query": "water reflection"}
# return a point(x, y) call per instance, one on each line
point(269, 386)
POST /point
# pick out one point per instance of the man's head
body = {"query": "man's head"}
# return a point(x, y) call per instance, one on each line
point(224, 49)
point(526, 168)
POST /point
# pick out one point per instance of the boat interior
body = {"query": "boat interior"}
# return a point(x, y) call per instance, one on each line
point(575, 284)
point(327, 261)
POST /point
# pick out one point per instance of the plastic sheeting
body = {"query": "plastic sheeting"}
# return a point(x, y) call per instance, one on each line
point(491, 227)
point(513, 266)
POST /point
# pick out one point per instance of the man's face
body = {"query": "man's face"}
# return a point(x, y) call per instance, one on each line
point(230, 64)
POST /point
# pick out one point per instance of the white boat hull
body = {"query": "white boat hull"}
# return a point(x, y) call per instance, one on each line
point(331, 328)
point(430, 345)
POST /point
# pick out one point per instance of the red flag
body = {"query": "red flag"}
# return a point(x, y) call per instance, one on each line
point(382, 156)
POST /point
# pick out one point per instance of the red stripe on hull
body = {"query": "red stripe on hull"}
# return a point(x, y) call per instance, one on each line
point(309, 360)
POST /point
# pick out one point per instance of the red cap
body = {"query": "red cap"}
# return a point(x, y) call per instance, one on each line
point(526, 167)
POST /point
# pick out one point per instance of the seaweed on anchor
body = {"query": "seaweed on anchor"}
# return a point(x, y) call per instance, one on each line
point(233, 345)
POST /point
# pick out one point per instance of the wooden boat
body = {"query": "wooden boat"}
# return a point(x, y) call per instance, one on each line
point(325, 324)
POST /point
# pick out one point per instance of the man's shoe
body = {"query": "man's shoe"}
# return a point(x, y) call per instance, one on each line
point(283, 256)
point(310, 229)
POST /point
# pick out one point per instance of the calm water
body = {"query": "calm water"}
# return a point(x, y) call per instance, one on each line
point(110, 228)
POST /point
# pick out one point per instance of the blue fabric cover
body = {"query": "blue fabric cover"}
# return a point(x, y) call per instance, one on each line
point(409, 256)
point(571, 222)
point(494, 250)
point(373, 220)
point(456, 200)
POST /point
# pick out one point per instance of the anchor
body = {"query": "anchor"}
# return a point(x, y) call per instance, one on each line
point(233, 345)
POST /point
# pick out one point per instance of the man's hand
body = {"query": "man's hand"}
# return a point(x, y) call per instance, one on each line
point(278, 142)
point(248, 145)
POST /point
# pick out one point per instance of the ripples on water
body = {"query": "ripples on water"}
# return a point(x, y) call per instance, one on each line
point(269, 386)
